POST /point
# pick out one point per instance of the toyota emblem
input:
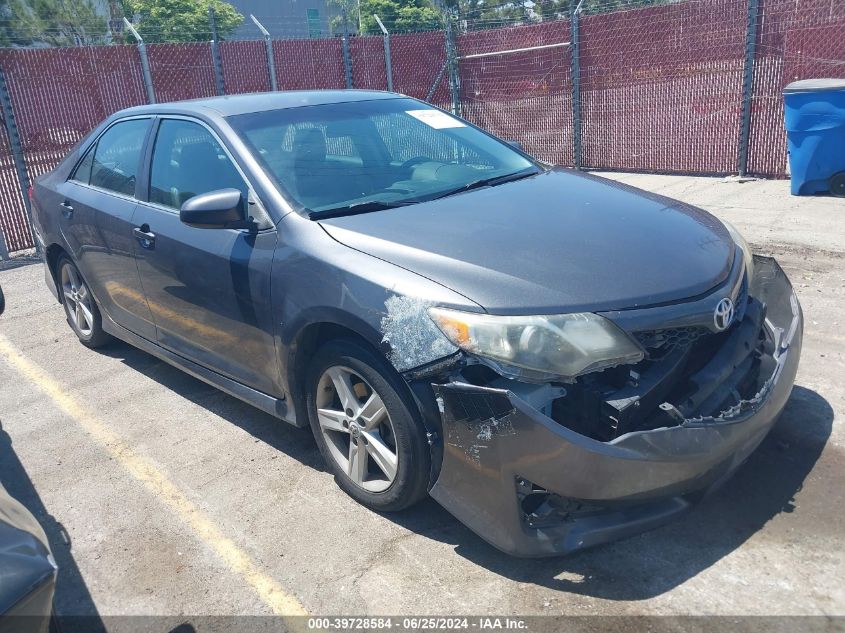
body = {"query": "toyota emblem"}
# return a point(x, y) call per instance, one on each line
point(724, 314)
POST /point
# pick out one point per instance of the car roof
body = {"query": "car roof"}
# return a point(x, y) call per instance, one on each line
point(258, 102)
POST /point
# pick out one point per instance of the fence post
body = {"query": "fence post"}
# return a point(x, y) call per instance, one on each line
point(17, 155)
point(4, 250)
point(453, 66)
point(347, 56)
point(747, 87)
point(145, 62)
point(437, 80)
point(215, 52)
point(268, 45)
point(388, 64)
point(575, 71)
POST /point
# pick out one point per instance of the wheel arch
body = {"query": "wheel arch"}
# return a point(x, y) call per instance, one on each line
point(315, 333)
point(310, 335)
point(51, 258)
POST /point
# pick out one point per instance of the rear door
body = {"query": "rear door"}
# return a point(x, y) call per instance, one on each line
point(208, 289)
point(96, 205)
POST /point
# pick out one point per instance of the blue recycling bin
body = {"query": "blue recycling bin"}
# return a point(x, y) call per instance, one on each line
point(815, 132)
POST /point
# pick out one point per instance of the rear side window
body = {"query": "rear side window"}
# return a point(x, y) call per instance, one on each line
point(187, 161)
point(116, 158)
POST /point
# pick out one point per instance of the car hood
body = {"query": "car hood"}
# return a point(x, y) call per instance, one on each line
point(561, 241)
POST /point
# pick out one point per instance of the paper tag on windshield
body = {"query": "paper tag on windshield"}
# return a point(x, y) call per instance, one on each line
point(436, 119)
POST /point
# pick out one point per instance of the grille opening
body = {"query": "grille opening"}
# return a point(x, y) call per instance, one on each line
point(659, 343)
point(686, 374)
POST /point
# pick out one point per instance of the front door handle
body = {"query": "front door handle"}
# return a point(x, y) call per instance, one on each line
point(67, 209)
point(145, 238)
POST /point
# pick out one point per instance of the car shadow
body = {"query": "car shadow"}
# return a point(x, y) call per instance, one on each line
point(292, 441)
point(638, 568)
point(72, 595)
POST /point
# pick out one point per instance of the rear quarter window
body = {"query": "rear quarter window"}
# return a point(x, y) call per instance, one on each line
point(116, 157)
point(82, 173)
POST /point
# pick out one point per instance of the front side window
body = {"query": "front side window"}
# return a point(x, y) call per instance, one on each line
point(380, 153)
point(114, 161)
point(187, 161)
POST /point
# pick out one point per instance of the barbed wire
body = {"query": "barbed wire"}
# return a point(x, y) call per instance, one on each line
point(661, 84)
point(287, 27)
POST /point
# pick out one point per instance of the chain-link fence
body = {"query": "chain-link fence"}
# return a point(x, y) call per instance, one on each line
point(57, 96)
point(661, 87)
point(795, 40)
point(677, 87)
point(517, 82)
point(15, 233)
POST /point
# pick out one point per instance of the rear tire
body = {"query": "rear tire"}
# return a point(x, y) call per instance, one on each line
point(81, 310)
point(837, 185)
point(368, 429)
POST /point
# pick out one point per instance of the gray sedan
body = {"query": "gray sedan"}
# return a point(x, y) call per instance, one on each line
point(557, 359)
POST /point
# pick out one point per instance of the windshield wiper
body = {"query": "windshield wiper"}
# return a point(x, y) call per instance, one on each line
point(358, 207)
point(488, 182)
point(380, 205)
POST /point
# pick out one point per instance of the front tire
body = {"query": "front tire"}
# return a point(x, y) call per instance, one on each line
point(367, 427)
point(81, 310)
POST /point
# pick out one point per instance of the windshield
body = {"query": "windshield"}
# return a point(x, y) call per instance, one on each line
point(372, 155)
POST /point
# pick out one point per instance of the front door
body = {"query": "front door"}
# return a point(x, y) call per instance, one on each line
point(208, 289)
point(96, 207)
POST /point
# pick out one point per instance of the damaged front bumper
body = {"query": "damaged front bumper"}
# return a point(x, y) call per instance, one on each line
point(533, 487)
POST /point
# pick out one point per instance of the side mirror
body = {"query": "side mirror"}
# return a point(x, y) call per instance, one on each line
point(515, 145)
point(220, 209)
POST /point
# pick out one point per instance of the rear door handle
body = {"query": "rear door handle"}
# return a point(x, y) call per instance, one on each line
point(145, 238)
point(67, 209)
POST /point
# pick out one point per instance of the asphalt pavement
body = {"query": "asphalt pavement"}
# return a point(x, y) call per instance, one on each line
point(164, 496)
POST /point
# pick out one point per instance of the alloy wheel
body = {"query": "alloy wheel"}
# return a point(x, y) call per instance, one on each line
point(77, 300)
point(357, 429)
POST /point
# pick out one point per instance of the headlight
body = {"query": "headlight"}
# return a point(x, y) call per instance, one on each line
point(747, 255)
point(539, 348)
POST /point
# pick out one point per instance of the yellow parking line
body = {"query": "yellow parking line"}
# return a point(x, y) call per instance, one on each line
point(270, 591)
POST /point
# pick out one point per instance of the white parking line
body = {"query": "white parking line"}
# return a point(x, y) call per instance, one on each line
point(269, 590)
